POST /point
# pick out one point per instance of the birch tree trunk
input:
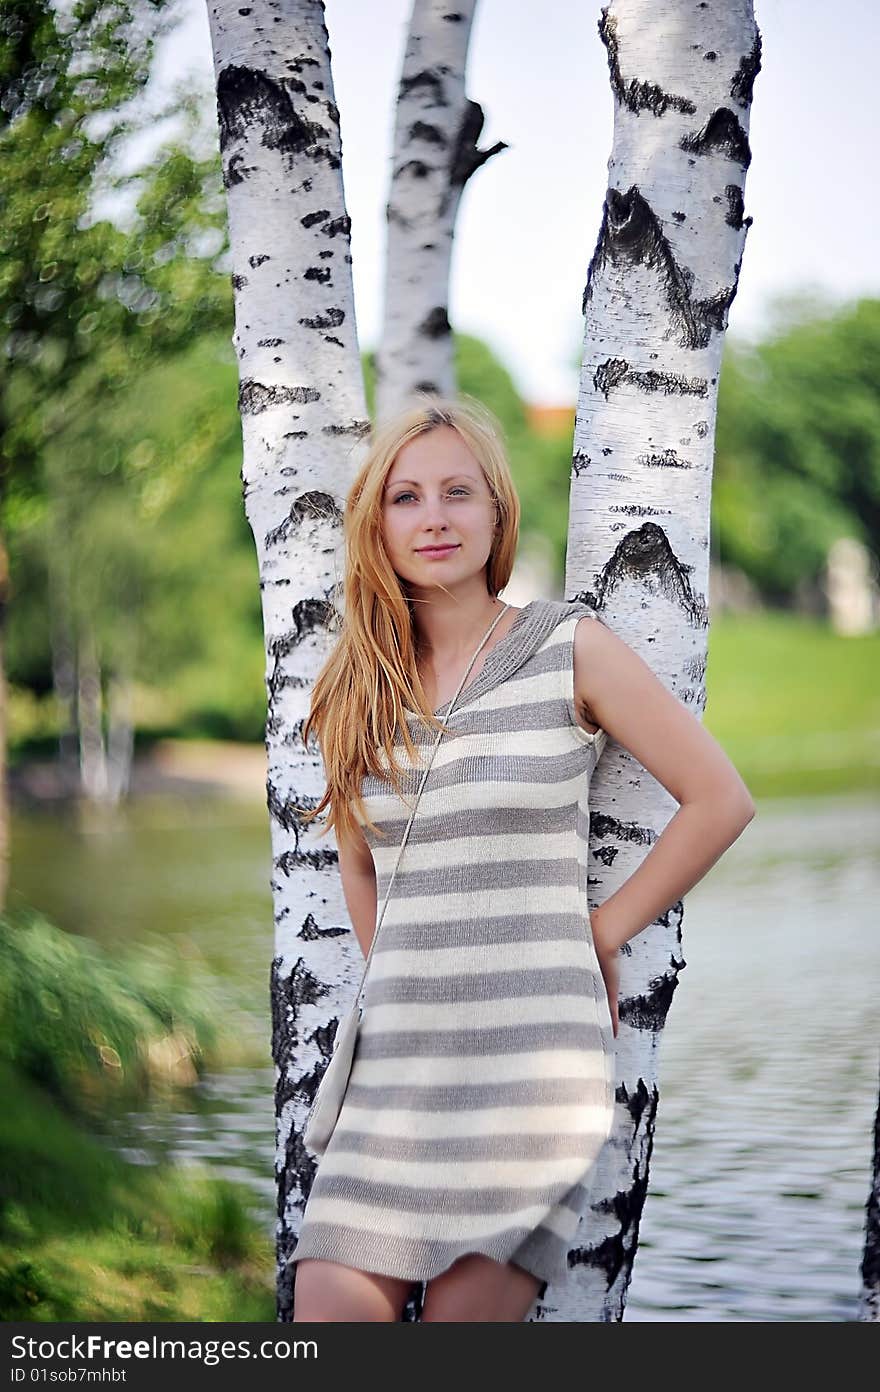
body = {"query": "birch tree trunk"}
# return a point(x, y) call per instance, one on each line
point(303, 415)
point(90, 716)
point(120, 735)
point(659, 287)
point(435, 153)
point(62, 642)
point(869, 1296)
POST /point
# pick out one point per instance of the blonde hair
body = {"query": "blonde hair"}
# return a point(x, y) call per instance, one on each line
point(358, 698)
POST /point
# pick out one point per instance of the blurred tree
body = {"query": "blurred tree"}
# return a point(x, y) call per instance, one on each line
point(88, 302)
point(798, 450)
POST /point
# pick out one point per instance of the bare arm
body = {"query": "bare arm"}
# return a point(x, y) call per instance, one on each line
point(359, 886)
point(616, 689)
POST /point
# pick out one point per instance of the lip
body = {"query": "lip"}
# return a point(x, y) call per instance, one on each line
point(437, 550)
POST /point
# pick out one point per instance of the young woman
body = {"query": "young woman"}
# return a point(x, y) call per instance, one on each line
point(482, 1087)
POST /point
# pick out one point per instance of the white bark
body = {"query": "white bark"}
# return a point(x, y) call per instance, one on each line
point(304, 419)
point(869, 1296)
point(90, 717)
point(659, 287)
point(435, 153)
point(120, 736)
point(62, 644)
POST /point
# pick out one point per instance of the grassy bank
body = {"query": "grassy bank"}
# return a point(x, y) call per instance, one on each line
point(85, 1235)
point(796, 706)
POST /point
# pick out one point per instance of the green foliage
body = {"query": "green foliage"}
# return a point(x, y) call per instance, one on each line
point(85, 1235)
point(87, 1025)
point(85, 302)
point(798, 447)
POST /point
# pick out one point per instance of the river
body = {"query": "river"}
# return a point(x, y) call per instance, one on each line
point(768, 1064)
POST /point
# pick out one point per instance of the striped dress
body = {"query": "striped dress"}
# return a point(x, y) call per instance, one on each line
point(482, 1087)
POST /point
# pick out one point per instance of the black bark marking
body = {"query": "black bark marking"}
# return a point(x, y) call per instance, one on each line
point(321, 274)
point(668, 459)
point(358, 428)
point(452, 18)
point(308, 616)
point(255, 397)
point(284, 812)
point(425, 78)
point(602, 826)
point(309, 507)
point(297, 1169)
point(330, 319)
point(435, 323)
point(338, 226)
point(634, 95)
point(255, 261)
point(645, 554)
point(270, 342)
point(430, 388)
point(615, 1253)
point(466, 158)
point(743, 81)
point(239, 282)
point(631, 234)
point(870, 1264)
point(310, 932)
point(329, 338)
point(311, 218)
point(722, 134)
point(416, 168)
point(639, 510)
point(607, 855)
point(251, 102)
point(432, 135)
point(648, 1011)
point(735, 204)
point(580, 462)
point(316, 858)
point(611, 373)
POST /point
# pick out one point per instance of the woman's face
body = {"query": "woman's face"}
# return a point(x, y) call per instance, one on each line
point(436, 495)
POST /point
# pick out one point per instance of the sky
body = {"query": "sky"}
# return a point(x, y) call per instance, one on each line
point(529, 219)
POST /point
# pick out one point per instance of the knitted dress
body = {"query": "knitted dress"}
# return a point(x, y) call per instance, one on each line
point(482, 1087)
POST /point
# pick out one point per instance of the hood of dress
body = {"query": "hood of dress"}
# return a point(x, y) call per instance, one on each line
point(526, 634)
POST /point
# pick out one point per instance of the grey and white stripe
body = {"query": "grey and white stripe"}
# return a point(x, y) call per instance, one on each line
point(482, 1088)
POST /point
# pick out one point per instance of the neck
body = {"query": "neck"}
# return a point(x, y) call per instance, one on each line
point(449, 626)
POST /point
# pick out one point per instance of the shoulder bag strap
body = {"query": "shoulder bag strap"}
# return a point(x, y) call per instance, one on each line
point(440, 733)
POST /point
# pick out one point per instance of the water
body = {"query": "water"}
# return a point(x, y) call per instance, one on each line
point(768, 1065)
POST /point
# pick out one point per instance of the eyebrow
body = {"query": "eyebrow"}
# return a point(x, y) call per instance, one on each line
point(446, 480)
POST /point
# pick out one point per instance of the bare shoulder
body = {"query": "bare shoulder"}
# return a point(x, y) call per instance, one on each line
point(617, 690)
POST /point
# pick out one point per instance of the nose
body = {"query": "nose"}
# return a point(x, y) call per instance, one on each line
point(434, 514)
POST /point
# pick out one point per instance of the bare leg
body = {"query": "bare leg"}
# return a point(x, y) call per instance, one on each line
point(325, 1291)
point(476, 1288)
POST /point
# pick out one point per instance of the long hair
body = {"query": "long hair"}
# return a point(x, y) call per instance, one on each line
point(359, 696)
